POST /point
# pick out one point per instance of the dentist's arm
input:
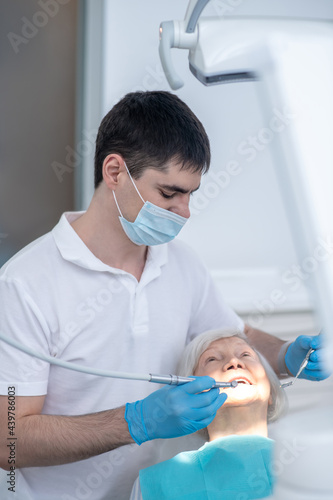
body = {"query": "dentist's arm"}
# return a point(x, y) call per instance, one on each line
point(267, 344)
point(43, 440)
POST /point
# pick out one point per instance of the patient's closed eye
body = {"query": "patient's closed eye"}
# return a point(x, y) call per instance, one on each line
point(247, 354)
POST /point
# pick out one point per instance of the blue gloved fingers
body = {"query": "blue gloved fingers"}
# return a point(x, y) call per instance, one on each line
point(208, 420)
point(311, 367)
point(317, 342)
point(199, 384)
point(205, 422)
point(202, 399)
point(297, 351)
point(181, 402)
point(307, 342)
point(316, 359)
point(219, 401)
point(209, 411)
point(315, 375)
point(304, 341)
point(315, 369)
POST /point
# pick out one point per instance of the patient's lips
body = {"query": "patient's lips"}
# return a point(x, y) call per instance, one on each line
point(242, 380)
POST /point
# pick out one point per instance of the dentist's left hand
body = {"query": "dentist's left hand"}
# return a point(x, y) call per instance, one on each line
point(174, 410)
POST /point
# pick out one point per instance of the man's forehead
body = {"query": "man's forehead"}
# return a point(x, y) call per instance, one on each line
point(176, 178)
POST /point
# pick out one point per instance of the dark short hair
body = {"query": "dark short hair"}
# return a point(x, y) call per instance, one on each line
point(150, 129)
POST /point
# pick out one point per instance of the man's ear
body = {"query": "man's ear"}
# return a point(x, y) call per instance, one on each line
point(270, 401)
point(113, 164)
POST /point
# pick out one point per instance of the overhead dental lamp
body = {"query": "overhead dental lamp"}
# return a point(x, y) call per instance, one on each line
point(290, 59)
point(219, 50)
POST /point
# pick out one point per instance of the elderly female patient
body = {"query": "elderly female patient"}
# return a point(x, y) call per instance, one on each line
point(235, 461)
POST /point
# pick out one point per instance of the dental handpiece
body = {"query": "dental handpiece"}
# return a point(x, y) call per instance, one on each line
point(176, 380)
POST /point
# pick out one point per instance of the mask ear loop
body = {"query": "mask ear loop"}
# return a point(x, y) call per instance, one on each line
point(136, 189)
point(115, 199)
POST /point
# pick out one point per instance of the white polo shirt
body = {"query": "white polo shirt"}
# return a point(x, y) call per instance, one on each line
point(58, 298)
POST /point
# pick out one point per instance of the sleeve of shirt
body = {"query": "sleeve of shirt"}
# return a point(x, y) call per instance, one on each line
point(210, 310)
point(22, 321)
point(136, 491)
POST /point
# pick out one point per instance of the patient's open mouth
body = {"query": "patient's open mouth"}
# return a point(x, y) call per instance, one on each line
point(243, 381)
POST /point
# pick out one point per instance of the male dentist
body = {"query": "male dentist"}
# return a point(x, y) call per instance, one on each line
point(109, 288)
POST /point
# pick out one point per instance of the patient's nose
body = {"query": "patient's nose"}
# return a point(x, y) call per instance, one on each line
point(234, 364)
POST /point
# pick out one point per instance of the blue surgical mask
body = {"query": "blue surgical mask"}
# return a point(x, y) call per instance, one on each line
point(153, 225)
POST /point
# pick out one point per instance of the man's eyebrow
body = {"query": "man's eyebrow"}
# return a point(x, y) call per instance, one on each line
point(178, 189)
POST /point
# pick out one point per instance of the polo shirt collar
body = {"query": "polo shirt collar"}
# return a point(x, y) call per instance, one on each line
point(73, 249)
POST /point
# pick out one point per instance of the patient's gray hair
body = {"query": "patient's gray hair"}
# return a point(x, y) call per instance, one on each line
point(199, 344)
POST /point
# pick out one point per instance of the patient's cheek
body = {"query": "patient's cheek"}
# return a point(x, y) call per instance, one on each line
point(206, 371)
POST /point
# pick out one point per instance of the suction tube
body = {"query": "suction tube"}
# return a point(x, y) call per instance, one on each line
point(73, 366)
point(158, 379)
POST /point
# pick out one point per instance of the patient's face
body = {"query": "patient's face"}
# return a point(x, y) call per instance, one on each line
point(230, 359)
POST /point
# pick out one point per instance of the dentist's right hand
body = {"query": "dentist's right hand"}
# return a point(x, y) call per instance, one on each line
point(174, 411)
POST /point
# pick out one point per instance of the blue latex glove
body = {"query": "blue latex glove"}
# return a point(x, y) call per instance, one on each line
point(296, 353)
point(174, 410)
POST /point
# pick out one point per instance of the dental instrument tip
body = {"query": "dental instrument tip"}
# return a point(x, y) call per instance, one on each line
point(225, 385)
point(301, 368)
